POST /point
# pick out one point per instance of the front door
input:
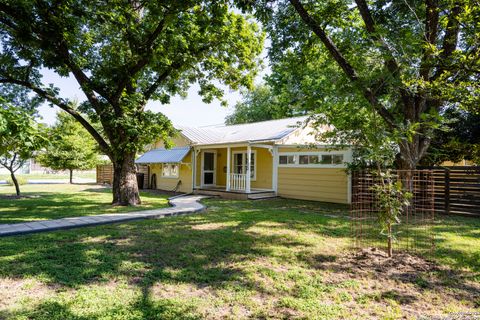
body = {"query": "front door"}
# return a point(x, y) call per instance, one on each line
point(208, 168)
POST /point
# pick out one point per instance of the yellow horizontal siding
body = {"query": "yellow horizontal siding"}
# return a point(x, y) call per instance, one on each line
point(320, 184)
point(185, 175)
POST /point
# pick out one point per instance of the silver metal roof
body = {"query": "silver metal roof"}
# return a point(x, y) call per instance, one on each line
point(250, 132)
point(163, 155)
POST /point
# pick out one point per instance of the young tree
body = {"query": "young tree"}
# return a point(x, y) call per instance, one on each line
point(20, 137)
point(71, 147)
point(124, 54)
point(403, 60)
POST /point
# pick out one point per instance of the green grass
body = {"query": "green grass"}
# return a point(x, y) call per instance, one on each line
point(56, 201)
point(239, 260)
point(40, 176)
point(458, 242)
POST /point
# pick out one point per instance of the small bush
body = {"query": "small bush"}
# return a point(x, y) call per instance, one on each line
point(21, 181)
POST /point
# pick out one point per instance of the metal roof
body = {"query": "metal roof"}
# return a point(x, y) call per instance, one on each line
point(162, 155)
point(249, 132)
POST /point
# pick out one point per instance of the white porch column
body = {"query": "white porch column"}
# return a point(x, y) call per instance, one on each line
point(275, 169)
point(249, 163)
point(228, 169)
point(194, 167)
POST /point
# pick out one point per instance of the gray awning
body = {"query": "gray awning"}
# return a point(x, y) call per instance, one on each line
point(162, 155)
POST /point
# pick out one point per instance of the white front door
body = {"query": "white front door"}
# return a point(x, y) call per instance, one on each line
point(209, 164)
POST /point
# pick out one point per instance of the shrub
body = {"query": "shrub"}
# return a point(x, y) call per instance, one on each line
point(21, 181)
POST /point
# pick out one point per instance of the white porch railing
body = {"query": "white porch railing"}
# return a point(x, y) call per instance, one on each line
point(238, 181)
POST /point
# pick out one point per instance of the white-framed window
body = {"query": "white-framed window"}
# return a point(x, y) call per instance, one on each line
point(170, 170)
point(312, 159)
point(240, 163)
point(287, 159)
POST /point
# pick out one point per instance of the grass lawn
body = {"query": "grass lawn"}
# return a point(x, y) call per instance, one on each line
point(39, 176)
point(267, 259)
point(55, 201)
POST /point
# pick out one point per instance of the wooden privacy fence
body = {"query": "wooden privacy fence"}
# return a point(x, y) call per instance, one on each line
point(457, 190)
point(105, 174)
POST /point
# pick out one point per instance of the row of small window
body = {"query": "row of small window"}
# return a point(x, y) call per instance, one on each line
point(311, 159)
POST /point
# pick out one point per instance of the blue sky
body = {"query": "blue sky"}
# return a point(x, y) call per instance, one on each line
point(189, 112)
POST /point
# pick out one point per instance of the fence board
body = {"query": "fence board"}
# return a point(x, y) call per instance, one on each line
point(457, 189)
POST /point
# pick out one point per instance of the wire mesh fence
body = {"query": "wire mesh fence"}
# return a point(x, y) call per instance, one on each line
point(414, 232)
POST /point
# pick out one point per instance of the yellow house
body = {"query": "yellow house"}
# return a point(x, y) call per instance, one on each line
point(251, 161)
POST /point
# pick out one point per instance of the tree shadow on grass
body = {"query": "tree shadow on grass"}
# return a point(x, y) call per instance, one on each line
point(47, 206)
point(199, 250)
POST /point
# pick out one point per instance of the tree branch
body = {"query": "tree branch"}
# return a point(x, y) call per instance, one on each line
point(450, 39)
point(342, 62)
point(327, 41)
point(64, 106)
point(391, 64)
point(431, 32)
point(145, 57)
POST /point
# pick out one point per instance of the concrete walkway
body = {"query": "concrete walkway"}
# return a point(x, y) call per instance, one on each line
point(180, 205)
point(55, 181)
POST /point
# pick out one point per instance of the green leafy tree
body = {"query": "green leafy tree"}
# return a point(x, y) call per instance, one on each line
point(20, 137)
point(401, 60)
point(459, 140)
point(71, 147)
point(259, 104)
point(124, 54)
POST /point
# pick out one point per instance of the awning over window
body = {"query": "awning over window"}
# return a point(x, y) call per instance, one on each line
point(162, 155)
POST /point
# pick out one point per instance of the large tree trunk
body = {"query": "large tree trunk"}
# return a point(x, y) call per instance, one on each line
point(411, 152)
point(15, 182)
point(125, 187)
point(71, 176)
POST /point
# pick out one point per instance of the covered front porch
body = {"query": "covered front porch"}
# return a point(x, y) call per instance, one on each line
point(235, 171)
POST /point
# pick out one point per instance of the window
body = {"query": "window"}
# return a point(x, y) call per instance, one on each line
point(313, 159)
point(326, 159)
point(287, 159)
point(240, 163)
point(310, 159)
point(338, 159)
point(170, 170)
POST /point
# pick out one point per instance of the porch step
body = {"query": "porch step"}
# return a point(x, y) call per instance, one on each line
point(237, 195)
point(262, 196)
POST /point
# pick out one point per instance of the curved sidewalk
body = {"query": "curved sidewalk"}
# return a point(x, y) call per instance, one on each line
point(179, 205)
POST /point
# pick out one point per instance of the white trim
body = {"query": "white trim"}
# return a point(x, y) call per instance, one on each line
point(264, 146)
point(311, 146)
point(249, 168)
point(228, 168)
point(275, 169)
point(349, 158)
point(214, 171)
point(193, 154)
point(344, 153)
point(245, 152)
point(221, 146)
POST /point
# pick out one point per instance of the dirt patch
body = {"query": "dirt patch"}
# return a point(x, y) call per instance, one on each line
point(419, 286)
point(12, 291)
point(402, 266)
